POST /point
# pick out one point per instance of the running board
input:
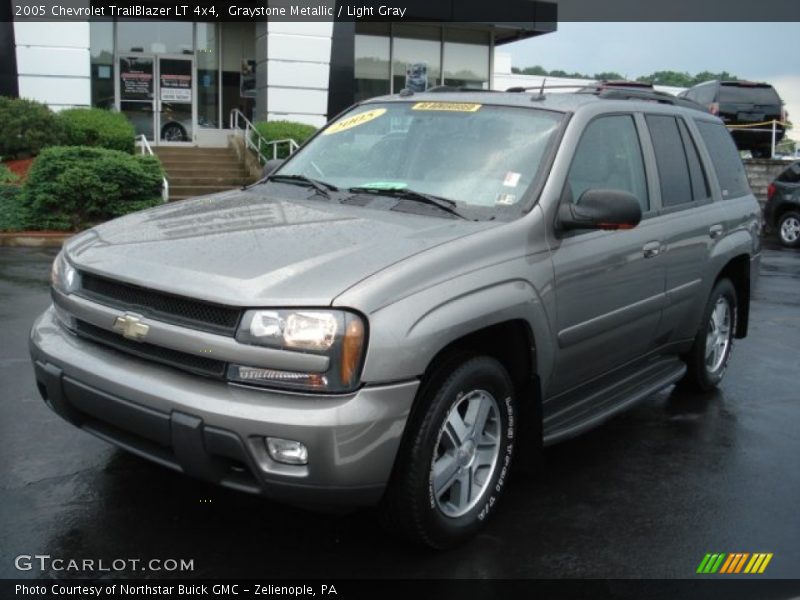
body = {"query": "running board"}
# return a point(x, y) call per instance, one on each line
point(601, 405)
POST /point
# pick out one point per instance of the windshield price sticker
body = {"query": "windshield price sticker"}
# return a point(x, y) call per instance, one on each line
point(354, 121)
point(450, 106)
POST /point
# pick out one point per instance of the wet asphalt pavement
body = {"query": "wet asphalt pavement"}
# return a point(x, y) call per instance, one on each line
point(646, 495)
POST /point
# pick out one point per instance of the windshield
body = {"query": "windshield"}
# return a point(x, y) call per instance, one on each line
point(479, 156)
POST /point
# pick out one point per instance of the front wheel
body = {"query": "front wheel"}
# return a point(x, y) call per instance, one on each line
point(711, 351)
point(789, 229)
point(454, 463)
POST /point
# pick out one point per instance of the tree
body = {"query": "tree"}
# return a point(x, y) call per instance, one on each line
point(608, 76)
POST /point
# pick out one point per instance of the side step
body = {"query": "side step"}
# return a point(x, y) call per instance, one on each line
point(603, 404)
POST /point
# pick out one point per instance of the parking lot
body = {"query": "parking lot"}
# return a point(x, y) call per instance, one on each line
point(646, 495)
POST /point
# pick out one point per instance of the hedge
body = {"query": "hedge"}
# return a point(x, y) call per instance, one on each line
point(6, 175)
point(97, 127)
point(74, 187)
point(281, 130)
point(26, 127)
point(14, 214)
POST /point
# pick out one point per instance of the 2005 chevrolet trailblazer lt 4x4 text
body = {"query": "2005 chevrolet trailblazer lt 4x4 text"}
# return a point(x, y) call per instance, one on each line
point(431, 288)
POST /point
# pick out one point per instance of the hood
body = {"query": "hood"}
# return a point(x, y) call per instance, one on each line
point(242, 248)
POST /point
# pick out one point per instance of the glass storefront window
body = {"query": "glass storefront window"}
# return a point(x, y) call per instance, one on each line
point(238, 68)
point(466, 59)
point(371, 66)
point(416, 57)
point(101, 36)
point(157, 37)
point(207, 58)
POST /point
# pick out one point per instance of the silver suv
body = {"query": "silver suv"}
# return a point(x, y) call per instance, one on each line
point(431, 289)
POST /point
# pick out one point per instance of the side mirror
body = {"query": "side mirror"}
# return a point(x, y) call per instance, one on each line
point(601, 209)
point(271, 166)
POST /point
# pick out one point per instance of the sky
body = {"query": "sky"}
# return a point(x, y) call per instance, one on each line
point(758, 51)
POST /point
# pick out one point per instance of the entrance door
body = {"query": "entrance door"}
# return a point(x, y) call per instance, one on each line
point(157, 94)
point(136, 92)
point(175, 103)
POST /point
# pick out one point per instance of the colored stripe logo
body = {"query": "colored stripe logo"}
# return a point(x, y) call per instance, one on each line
point(733, 563)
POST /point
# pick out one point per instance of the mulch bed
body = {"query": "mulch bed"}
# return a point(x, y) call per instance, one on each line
point(19, 167)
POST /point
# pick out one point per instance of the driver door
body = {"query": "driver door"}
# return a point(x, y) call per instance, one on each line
point(609, 284)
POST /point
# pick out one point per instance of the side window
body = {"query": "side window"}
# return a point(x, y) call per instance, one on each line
point(697, 174)
point(725, 158)
point(609, 156)
point(706, 94)
point(673, 168)
point(791, 174)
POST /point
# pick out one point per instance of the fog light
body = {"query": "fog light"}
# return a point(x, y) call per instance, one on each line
point(288, 452)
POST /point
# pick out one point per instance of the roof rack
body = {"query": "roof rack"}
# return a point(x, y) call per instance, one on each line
point(615, 91)
point(646, 95)
point(459, 88)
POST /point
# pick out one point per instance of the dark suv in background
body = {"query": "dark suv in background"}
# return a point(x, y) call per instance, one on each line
point(743, 103)
point(782, 211)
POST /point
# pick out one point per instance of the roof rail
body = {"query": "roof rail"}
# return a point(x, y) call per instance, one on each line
point(520, 89)
point(456, 88)
point(622, 93)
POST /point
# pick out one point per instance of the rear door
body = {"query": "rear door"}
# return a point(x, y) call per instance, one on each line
point(609, 285)
point(689, 223)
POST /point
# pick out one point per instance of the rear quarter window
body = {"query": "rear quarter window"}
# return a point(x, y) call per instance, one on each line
point(725, 158)
point(791, 174)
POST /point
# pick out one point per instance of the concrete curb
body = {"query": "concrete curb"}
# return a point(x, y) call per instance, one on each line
point(34, 239)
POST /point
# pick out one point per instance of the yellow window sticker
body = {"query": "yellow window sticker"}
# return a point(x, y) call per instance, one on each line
point(451, 106)
point(354, 121)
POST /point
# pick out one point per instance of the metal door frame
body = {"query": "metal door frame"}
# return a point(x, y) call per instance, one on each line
point(155, 103)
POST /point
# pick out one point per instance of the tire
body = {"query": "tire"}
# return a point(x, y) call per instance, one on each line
point(788, 229)
point(172, 132)
point(707, 365)
point(451, 470)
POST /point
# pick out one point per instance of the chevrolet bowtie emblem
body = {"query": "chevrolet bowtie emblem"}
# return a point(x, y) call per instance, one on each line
point(131, 327)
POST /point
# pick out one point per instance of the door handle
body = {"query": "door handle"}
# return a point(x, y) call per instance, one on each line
point(651, 249)
point(715, 231)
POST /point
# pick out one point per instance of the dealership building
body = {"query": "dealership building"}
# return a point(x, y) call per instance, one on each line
point(180, 81)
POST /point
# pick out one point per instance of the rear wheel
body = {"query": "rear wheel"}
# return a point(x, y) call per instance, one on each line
point(709, 356)
point(789, 229)
point(455, 460)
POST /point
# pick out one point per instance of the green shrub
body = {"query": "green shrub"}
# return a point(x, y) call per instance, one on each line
point(97, 127)
point(282, 130)
point(14, 213)
point(75, 187)
point(26, 127)
point(6, 175)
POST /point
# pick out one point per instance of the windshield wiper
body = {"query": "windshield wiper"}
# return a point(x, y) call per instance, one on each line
point(444, 204)
point(323, 188)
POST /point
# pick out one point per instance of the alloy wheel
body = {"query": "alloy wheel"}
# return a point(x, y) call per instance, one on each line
point(467, 453)
point(790, 230)
point(718, 337)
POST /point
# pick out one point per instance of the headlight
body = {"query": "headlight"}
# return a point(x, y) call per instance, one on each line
point(337, 334)
point(63, 275)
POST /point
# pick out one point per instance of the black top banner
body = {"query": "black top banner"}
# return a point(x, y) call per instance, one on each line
point(497, 11)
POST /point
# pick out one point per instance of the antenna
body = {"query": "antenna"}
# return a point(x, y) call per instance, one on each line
point(541, 89)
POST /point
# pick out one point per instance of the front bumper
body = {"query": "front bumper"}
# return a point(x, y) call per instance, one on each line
point(215, 431)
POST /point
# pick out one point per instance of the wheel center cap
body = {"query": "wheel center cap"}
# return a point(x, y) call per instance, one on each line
point(466, 453)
